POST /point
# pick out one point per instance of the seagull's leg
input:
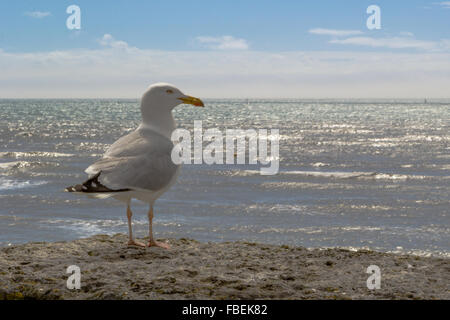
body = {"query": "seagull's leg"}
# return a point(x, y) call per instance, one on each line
point(131, 241)
point(152, 242)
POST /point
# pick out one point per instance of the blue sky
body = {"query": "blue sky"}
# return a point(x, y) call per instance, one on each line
point(274, 48)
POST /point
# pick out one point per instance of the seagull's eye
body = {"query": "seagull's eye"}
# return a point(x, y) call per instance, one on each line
point(169, 91)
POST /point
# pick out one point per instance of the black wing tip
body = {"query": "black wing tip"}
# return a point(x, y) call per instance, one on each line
point(76, 188)
point(92, 185)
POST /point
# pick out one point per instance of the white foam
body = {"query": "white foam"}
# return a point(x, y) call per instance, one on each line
point(9, 165)
point(95, 226)
point(10, 184)
point(320, 164)
point(336, 174)
point(23, 164)
point(341, 175)
point(30, 154)
point(421, 253)
point(292, 209)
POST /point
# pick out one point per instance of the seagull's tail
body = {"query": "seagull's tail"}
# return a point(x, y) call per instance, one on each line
point(92, 185)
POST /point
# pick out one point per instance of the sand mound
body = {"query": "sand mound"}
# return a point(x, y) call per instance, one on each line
point(229, 270)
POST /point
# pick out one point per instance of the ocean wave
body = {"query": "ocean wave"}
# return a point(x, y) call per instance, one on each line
point(342, 175)
point(292, 209)
point(105, 226)
point(314, 230)
point(16, 155)
point(11, 184)
point(17, 165)
point(421, 253)
point(320, 164)
point(86, 227)
point(307, 185)
point(398, 250)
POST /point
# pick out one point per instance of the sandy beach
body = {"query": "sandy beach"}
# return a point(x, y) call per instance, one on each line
point(228, 270)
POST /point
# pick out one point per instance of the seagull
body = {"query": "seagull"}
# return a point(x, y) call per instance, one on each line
point(139, 165)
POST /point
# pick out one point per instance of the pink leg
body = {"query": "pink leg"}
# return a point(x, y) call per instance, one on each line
point(152, 242)
point(131, 241)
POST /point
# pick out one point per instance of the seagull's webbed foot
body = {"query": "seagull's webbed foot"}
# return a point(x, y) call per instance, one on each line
point(158, 244)
point(136, 243)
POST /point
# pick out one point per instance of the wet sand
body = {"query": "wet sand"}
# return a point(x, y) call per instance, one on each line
point(228, 270)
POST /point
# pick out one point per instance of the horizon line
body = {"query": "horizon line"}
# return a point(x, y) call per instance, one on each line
point(231, 98)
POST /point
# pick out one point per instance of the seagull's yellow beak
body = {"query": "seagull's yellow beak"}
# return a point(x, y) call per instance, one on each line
point(192, 100)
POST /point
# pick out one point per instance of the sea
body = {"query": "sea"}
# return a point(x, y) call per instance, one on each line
point(354, 174)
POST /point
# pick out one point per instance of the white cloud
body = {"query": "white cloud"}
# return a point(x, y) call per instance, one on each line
point(392, 43)
point(38, 14)
point(111, 71)
point(406, 34)
point(444, 45)
point(223, 43)
point(445, 4)
point(108, 41)
point(333, 32)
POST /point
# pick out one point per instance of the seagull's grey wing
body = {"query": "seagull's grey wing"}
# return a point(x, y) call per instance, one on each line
point(136, 143)
point(139, 160)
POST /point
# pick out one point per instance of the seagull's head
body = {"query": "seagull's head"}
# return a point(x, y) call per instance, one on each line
point(164, 95)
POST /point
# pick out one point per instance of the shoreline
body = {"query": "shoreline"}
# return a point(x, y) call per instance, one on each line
point(226, 270)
